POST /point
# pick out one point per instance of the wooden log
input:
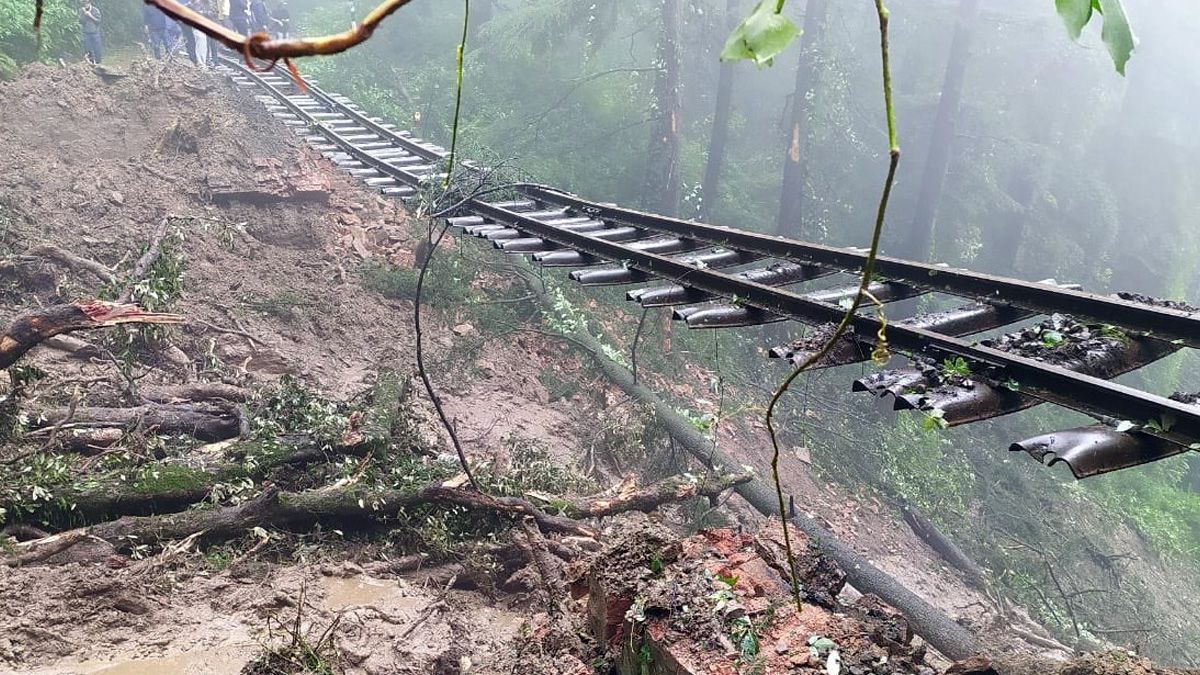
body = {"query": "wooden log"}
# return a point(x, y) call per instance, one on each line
point(204, 421)
point(168, 487)
point(944, 546)
point(195, 391)
point(31, 328)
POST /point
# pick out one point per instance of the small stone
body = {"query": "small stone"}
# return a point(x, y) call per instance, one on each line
point(782, 647)
point(463, 329)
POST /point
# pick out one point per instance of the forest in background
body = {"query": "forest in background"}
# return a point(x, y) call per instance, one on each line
point(1051, 165)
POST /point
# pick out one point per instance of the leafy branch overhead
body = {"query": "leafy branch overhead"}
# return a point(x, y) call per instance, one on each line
point(766, 32)
point(1115, 32)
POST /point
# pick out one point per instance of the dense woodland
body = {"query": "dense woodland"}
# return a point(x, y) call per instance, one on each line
point(1025, 155)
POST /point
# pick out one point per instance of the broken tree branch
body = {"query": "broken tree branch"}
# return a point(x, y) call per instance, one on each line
point(943, 546)
point(261, 46)
point(74, 262)
point(31, 328)
point(143, 265)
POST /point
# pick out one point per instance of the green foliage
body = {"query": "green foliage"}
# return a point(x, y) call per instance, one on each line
point(160, 478)
point(1116, 33)
point(292, 408)
point(926, 469)
point(956, 368)
point(28, 487)
point(1157, 498)
point(761, 36)
point(531, 466)
point(1053, 338)
point(390, 281)
point(307, 647)
point(18, 43)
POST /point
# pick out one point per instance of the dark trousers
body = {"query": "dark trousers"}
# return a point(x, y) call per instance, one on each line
point(158, 43)
point(189, 39)
point(241, 23)
point(91, 47)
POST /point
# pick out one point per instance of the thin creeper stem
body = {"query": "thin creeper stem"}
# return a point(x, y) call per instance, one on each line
point(867, 273)
point(420, 355)
point(462, 48)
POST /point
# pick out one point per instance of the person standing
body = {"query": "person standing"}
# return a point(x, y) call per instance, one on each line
point(154, 25)
point(187, 34)
point(259, 19)
point(239, 19)
point(282, 20)
point(89, 23)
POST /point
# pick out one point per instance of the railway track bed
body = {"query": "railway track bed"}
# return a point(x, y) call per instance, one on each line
point(715, 277)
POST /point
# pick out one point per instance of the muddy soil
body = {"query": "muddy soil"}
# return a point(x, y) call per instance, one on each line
point(271, 287)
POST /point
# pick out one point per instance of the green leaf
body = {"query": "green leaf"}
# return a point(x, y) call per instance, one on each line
point(1052, 338)
point(1076, 14)
point(1116, 33)
point(761, 36)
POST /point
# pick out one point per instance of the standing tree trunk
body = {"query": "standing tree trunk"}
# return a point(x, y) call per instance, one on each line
point(919, 239)
point(1002, 244)
point(795, 161)
point(662, 184)
point(710, 189)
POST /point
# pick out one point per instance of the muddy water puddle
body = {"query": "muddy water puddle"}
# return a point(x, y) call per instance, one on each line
point(362, 591)
point(223, 660)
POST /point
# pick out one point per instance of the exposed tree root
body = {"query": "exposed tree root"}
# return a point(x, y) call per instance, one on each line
point(32, 328)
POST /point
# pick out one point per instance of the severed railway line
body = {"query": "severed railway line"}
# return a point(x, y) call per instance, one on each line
point(718, 277)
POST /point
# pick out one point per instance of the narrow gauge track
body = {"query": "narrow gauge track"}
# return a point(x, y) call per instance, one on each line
point(721, 277)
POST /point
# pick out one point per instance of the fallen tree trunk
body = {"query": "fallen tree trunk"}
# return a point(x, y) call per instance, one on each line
point(195, 391)
point(206, 422)
point(930, 623)
point(31, 328)
point(944, 547)
point(167, 487)
point(352, 505)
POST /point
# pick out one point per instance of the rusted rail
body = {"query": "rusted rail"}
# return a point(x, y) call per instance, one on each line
point(719, 277)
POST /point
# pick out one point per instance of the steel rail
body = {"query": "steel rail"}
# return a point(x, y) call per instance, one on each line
point(1072, 390)
point(1161, 322)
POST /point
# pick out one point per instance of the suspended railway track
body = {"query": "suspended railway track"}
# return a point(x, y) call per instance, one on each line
point(717, 277)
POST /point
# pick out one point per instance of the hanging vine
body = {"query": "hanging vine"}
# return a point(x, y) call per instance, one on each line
point(867, 273)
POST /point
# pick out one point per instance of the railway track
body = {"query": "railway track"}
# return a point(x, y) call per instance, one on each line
point(717, 277)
